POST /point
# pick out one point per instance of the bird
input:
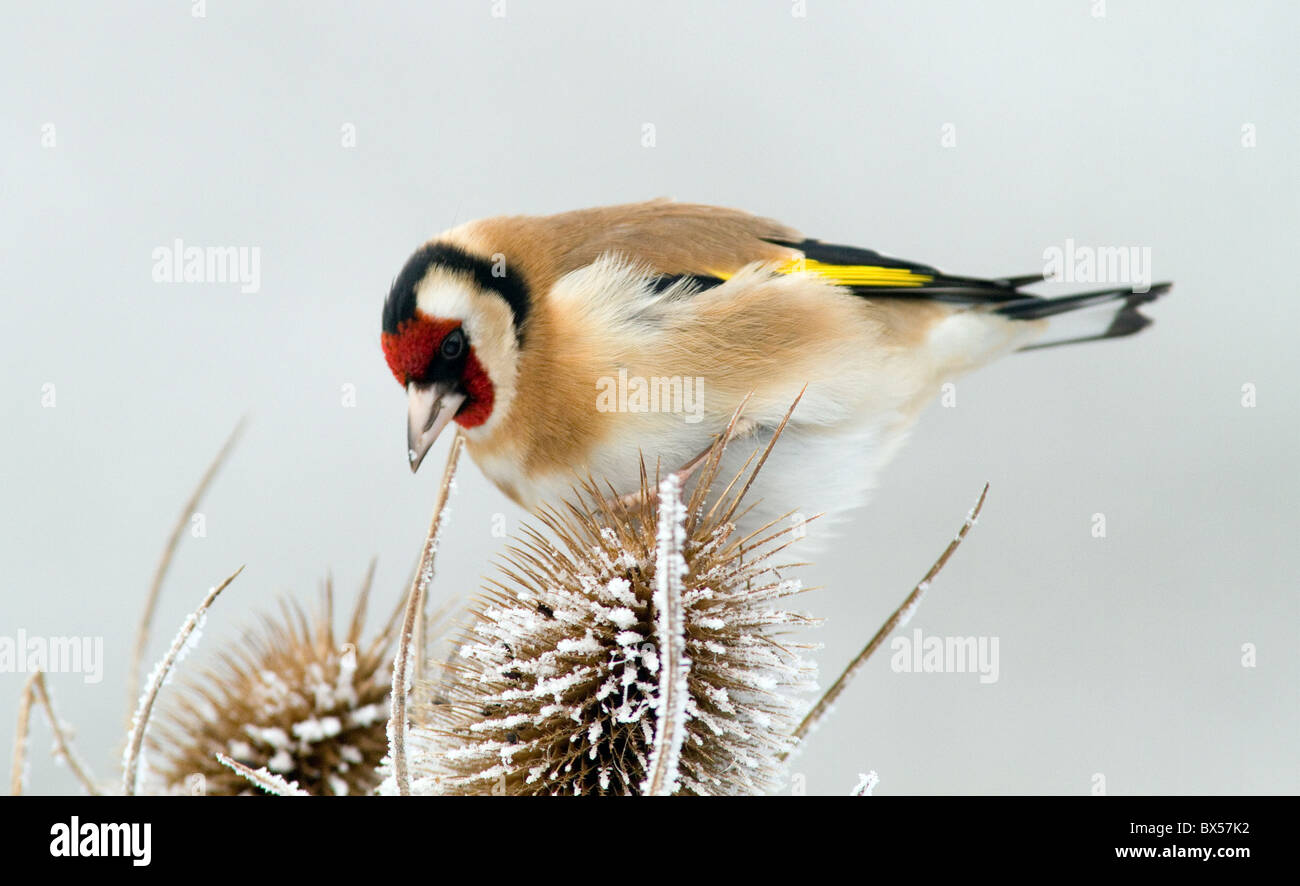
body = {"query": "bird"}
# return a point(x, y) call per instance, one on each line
point(575, 345)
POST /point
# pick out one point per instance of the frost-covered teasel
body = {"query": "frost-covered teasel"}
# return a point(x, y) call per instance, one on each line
point(558, 684)
point(291, 698)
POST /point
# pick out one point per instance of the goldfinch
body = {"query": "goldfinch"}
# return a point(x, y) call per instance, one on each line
point(569, 345)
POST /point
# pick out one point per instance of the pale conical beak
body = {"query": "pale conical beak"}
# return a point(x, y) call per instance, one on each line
point(431, 408)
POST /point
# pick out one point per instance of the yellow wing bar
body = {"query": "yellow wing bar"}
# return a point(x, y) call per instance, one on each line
point(855, 275)
point(847, 275)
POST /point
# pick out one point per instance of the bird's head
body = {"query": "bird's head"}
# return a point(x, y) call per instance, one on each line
point(452, 328)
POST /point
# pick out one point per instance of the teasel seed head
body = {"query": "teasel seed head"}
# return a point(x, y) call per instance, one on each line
point(291, 697)
point(558, 685)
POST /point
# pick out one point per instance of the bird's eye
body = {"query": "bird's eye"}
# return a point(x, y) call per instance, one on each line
point(452, 345)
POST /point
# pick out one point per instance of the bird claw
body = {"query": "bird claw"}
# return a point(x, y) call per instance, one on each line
point(736, 428)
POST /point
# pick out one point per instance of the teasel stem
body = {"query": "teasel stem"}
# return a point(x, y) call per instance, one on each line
point(413, 626)
point(900, 617)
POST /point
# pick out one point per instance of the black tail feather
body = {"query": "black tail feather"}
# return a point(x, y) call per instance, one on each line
point(1125, 319)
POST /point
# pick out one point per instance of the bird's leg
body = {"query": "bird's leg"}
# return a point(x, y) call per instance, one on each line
point(735, 429)
point(684, 473)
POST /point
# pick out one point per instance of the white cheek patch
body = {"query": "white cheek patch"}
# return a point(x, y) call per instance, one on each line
point(489, 324)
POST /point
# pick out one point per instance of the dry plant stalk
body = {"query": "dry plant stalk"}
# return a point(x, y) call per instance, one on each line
point(36, 690)
point(560, 686)
point(21, 736)
point(900, 617)
point(144, 711)
point(415, 621)
point(164, 564)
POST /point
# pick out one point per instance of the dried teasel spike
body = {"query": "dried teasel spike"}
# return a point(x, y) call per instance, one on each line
point(164, 565)
point(900, 617)
point(263, 778)
point(144, 711)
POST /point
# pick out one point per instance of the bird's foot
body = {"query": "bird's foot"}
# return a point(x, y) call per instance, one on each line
point(736, 429)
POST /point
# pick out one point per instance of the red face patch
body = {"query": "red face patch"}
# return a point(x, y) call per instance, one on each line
point(479, 391)
point(411, 349)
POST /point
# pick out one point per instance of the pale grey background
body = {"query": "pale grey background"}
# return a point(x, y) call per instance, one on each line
point(1118, 655)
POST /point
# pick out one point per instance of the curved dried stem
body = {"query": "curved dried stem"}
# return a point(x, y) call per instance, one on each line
point(144, 710)
point(900, 617)
point(164, 564)
point(21, 735)
point(413, 625)
point(62, 746)
point(670, 626)
point(264, 779)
